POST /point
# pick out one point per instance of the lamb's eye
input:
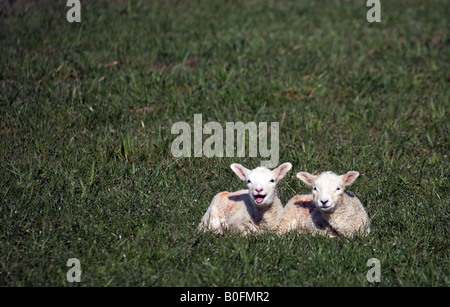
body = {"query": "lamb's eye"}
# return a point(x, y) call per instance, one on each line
point(272, 180)
point(338, 189)
point(314, 189)
point(248, 181)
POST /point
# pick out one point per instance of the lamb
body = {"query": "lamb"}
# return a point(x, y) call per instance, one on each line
point(330, 210)
point(255, 210)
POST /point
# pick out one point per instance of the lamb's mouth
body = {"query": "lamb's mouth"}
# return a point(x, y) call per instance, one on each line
point(326, 208)
point(259, 198)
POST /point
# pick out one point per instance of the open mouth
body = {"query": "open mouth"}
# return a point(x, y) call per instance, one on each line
point(259, 198)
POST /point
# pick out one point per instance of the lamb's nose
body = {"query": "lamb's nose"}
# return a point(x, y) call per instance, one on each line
point(324, 202)
point(258, 190)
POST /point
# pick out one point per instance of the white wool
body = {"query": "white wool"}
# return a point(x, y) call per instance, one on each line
point(329, 210)
point(256, 209)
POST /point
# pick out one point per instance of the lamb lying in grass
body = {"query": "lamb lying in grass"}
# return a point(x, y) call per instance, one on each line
point(256, 209)
point(330, 210)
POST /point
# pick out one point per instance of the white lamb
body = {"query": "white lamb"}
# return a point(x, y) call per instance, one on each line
point(330, 210)
point(256, 209)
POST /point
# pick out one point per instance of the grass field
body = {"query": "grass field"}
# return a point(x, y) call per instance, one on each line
point(86, 111)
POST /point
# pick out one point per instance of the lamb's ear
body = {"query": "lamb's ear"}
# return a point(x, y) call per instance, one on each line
point(240, 171)
point(307, 178)
point(349, 178)
point(282, 170)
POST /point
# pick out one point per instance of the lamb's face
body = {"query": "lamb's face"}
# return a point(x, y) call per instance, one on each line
point(328, 188)
point(261, 183)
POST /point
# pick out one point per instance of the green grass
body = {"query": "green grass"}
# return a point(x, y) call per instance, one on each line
point(86, 111)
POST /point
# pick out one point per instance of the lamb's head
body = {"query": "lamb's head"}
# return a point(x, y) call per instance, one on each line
point(261, 181)
point(328, 188)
